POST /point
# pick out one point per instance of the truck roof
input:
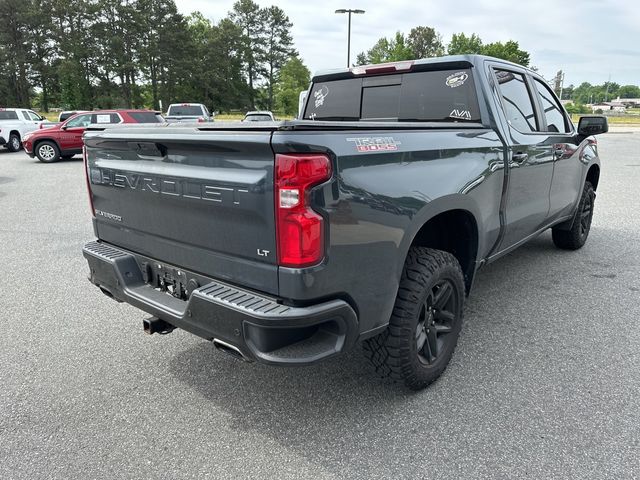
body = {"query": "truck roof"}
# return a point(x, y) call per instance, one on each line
point(452, 61)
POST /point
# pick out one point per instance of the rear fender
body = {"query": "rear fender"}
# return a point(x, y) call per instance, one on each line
point(431, 210)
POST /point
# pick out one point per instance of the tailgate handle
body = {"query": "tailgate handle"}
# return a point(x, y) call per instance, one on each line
point(148, 149)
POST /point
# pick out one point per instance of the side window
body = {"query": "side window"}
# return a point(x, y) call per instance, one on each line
point(80, 121)
point(105, 118)
point(25, 115)
point(556, 120)
point(34, 116)
point(517, 101)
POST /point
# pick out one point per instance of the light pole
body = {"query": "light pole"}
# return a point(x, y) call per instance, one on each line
point(349, 11)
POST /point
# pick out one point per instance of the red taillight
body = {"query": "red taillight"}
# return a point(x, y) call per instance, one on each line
point(86, 176)
point(299, 230)
point(200, 120)
point(383, 68)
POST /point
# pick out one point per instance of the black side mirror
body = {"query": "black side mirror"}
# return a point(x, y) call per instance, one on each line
point(592, 125)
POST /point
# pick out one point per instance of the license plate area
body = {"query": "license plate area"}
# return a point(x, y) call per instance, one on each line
point(169, 279)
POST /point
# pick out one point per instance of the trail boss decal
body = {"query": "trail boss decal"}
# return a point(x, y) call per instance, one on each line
point(456, 79)
point(374, 144)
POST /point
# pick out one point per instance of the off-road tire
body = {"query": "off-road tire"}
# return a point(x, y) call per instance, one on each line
point(13, 145)
point(395, 353)
point(576, 237)
point(47, 152)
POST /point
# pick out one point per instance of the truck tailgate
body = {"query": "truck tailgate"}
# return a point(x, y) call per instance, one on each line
point(203, 203)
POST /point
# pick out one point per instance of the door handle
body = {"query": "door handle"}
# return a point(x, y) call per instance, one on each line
point(519, 158)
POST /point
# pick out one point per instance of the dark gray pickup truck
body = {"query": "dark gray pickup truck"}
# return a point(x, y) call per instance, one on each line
point(290, 242)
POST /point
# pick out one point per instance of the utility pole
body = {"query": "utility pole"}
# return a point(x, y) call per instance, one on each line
point(349, 11)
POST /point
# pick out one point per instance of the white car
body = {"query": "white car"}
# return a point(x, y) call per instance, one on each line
point(259, 116)
point(15, 123)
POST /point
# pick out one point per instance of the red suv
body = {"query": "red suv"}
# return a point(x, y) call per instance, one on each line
point(65, 140)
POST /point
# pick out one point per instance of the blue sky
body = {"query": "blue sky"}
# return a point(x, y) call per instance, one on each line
point(588, 39)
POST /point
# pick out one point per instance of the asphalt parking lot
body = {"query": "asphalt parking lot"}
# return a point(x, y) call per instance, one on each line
point(545, 382)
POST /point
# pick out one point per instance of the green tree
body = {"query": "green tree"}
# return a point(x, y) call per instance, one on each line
point(14, 36)
point(425, 42)
point(460, 44)
point(387, 50)
point(278, 46)
point(248, 15)
point(294, 78)
point(629, 91)
point(509, 50)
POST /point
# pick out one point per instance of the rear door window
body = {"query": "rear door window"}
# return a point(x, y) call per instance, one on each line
point(433, 96)
point(105, 118)
point(80, 121)
point(516, 100)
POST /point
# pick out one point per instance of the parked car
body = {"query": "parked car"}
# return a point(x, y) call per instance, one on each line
point(259, 116)
point(188, 112)
point(365, 221)
point(65, 140)
point(15, 123)
point(65, 115)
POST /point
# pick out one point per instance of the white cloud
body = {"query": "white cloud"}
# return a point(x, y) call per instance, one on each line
point(588, 39)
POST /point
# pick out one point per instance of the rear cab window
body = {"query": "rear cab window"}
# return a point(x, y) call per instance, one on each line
point(186, 110)
point(423, 96)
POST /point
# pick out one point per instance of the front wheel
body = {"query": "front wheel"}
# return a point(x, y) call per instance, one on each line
point(576, 237)
point(426, 321)
point(13, 145)
point(47, 152)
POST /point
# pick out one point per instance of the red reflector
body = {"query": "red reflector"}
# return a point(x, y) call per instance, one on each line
point(86, 175)
point(299, 230)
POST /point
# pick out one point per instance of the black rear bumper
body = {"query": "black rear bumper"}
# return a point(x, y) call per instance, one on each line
point(260, 327)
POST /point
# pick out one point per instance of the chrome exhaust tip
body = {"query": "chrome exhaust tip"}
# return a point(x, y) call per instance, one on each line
point(229, 349)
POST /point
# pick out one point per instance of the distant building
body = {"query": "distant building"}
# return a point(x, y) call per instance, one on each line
point(629, 102)
point(609, 106)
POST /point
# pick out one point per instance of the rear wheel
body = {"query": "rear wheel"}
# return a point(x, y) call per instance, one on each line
point(47, 152)
point(13, 145)
point(576, 237)
point(425, 325)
